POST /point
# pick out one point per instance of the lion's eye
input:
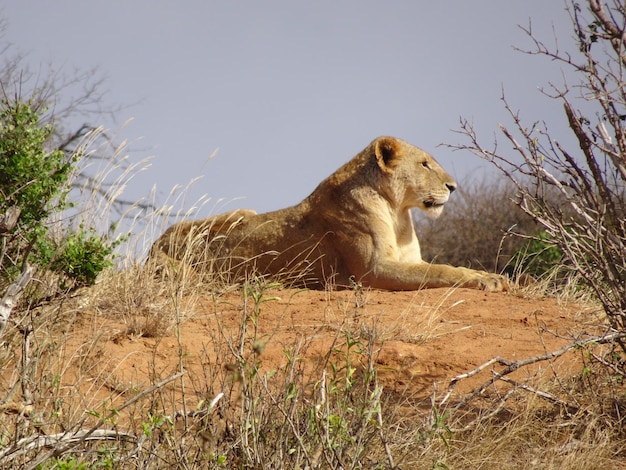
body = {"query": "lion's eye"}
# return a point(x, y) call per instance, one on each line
point(425, 165)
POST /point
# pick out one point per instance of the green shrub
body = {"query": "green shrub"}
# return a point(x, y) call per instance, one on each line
point(538, 257)
point(35, 180)
point(31, 177)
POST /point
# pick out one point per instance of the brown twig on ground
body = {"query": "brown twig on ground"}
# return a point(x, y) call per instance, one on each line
point(512, 366)
point(76, 438)
point(38, 442)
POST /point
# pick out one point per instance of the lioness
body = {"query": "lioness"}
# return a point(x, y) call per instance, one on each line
point(355, 227)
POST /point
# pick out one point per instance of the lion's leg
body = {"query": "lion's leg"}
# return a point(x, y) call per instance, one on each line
point(405, 276)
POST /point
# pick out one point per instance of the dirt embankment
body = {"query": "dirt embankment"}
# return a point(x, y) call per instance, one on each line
point(423, 338)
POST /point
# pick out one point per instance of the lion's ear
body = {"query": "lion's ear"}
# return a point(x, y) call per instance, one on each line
point(387, 151)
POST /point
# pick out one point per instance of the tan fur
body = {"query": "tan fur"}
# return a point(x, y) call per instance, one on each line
point(355, 227)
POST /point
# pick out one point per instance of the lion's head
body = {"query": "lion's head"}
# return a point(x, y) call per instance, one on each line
point(415, 178)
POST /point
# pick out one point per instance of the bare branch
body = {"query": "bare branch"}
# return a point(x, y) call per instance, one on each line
point(86, 434)
point(12, 295)
point(64, 438)
point(587, 221)
point(512, 366)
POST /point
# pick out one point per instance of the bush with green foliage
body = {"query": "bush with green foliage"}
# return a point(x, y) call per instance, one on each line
point(34, 183)
point(31, 177)
point(538, 257)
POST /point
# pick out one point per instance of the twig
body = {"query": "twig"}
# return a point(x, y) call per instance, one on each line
point(511, 366)
point(489, 415)
point(540, 393)
point(507, 395)
point(8, 220)
point(379, 417)
point(58, 451)
point(312, 461)
point(12, 295)
point(467, 375)
point(610, 365)
point(37, 442)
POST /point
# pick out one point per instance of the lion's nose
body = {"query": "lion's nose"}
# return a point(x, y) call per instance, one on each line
point(451, 187)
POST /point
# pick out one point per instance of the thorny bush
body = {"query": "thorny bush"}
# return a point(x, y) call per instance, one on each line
point(588, 224)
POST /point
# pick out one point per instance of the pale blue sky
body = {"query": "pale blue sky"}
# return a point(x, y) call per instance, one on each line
point(290, 90)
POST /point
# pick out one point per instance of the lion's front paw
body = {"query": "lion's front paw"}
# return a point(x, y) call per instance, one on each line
point(493, 283)
point(486, 281)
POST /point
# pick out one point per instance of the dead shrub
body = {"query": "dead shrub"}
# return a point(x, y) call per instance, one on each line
point(591, 174)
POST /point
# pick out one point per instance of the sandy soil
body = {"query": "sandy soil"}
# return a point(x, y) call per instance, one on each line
point(423, 338)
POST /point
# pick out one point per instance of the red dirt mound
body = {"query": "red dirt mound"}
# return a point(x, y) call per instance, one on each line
point(422, 338)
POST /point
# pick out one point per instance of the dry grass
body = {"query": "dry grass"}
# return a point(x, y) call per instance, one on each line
point(335, 416)
point(66, 404)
